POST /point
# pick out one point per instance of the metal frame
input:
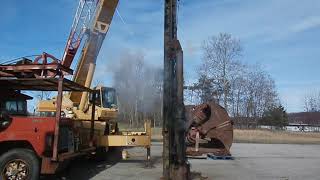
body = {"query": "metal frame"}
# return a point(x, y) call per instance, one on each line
point(58, 118)
point(94, 96)
point(9, 80)
point(43, 84)
point(61, 84)
point(130, 139)
point(43, 66)
point(81, 23)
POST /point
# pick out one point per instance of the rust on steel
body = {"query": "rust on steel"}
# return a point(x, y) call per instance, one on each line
point(40, 84)
point(175, 164)
point(48, 166)
point(214, 128)
point(43, 66)
point(58, 118)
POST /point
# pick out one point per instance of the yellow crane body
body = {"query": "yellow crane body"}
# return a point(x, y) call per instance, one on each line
point(78, 106)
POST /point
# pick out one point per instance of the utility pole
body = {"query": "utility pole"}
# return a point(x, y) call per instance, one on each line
point(175, 164)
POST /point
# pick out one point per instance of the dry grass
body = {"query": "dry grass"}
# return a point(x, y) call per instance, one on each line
point(263, 136)
point(253, 136)
point(156, 133)
point(275, 137)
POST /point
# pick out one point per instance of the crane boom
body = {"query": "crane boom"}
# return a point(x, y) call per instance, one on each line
point(99, 22)
point(99, 111)
point(81, 23)
point(100, 26)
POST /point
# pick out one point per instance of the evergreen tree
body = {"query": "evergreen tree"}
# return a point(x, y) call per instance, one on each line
point(276, 116)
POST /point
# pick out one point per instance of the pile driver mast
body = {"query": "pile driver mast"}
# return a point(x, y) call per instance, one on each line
point(175, 165)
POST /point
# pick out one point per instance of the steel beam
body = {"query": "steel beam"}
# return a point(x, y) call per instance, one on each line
point(58, 118)
point(175, 165)
point(93, 112)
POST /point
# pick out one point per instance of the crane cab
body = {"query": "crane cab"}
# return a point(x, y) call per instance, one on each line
point(106, 103)
point(106, 98)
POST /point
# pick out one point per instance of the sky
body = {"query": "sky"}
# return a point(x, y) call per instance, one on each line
point(280, 35)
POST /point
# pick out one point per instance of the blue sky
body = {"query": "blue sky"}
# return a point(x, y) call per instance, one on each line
point(280, 35)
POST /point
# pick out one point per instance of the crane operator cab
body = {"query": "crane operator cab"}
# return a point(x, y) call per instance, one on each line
point(106, 107)
point(106, 98)
point(106, 103)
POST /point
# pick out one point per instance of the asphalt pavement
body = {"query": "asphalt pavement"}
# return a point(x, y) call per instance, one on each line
point(252, 161)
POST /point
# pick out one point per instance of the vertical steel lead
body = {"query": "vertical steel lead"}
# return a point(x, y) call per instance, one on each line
point(175, 165)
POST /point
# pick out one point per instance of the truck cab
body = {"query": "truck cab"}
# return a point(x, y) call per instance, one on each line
point(18, 137)
point(27, 141)
point(14, 103)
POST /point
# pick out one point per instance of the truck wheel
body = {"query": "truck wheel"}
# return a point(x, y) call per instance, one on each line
point(19, 164)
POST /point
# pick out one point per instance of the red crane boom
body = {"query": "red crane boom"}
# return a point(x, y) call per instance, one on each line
point(84, 14)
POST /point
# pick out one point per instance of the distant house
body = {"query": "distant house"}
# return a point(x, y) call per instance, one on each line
point(296, 127)
point(304, 121)
point(309, 118)
point(245, 122)
point(301, 122)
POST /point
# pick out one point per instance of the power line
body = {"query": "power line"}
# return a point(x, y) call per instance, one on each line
point(124, 22)
point(118, 13)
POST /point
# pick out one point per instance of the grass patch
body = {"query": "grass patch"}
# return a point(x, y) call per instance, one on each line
point(252, 136)
point(156, 134)
point(263, 136)
point(275, 137)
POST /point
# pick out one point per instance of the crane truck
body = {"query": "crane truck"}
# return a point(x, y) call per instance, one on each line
point(72, 124)
point(30, 145)
point(82, 121)
point(76, 105)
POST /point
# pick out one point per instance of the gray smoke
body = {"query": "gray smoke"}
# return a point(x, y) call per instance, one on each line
point(139, 88)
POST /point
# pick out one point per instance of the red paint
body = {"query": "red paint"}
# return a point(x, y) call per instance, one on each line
point(31, 129)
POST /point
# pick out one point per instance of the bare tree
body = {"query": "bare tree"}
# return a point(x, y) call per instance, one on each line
point(43, 95)
point(312, 102)
point(205, 89)
point(139, 88)
point(261, 94)
point(220, 60)
point(245, 91)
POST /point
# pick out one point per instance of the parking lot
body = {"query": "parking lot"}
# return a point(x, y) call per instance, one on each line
point(252, 161)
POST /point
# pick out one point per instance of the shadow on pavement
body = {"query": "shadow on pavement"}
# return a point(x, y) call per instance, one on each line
point(84, 168)
point(144, 163)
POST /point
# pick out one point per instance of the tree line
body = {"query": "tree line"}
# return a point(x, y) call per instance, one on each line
point(139, 89)
point(247, 92)
point(312, 102)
